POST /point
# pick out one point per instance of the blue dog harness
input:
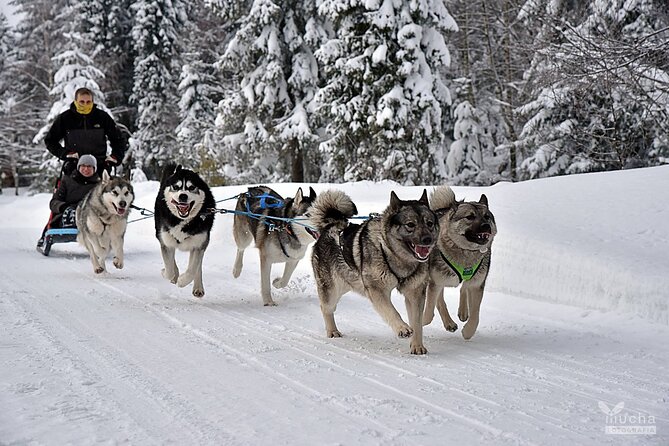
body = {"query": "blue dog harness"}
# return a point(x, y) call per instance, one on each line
point(274, 202)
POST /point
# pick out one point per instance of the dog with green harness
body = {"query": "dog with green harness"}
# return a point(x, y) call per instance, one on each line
point(466, 232)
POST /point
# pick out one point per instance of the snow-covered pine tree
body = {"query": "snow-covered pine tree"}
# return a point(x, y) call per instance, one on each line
point(40, 35)
point(465, 156)
point(601, 96)
point(156, 33)
point(107, 25)
point(8, 150)
point(266, 119)
point(200, 89)
point(383, 97)
point(6, 43)
point(491, 53)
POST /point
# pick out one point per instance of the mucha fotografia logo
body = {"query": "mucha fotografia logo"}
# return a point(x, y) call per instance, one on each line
point(624, 422)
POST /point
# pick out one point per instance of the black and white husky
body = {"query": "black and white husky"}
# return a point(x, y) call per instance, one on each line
point(264, 217)
point(184, 218)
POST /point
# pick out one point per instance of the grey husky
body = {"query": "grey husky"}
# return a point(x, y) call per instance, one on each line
point(373, 258)
point(102, 217)
point(265, 218)
point(467, 230)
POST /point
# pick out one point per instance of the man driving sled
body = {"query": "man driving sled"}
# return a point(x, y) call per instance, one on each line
point(84, 129)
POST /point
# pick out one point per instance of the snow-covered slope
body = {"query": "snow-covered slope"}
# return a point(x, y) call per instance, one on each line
point(574, 322)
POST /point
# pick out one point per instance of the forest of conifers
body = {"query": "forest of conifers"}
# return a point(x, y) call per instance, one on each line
point(463, 92)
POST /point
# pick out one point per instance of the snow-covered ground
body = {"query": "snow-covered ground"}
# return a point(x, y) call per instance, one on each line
point(573, 340)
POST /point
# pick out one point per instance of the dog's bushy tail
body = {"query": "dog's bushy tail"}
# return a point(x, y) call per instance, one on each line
point(442, 197)
point(332, 208)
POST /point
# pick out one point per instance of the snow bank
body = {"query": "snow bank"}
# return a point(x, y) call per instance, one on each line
point(595, 241)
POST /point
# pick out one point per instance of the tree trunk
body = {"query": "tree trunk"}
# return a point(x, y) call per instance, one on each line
point(297, 161)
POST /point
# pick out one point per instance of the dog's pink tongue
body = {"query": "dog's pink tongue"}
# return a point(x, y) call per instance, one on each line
point(422, 251)
point(183, 208)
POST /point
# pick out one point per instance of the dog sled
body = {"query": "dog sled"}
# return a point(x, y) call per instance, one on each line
point(67, 231)
point(51, 235)
point(56, 235)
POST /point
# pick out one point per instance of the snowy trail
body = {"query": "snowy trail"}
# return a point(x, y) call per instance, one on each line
point(126, 357)
point(148, 360)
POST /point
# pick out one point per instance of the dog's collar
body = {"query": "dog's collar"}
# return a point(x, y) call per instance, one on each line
point(464, 273)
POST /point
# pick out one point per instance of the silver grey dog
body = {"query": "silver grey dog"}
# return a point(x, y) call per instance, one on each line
point(269, 220)
point(102, 217)
point(467, 230)
point(373, 258)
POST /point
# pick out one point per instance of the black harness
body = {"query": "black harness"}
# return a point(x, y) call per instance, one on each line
point(346, 244)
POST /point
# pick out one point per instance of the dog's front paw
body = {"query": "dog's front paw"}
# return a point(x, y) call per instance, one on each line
point(334, 334)
point(405, 332)
point(451, 326)
point(278, 283)
point(198, 292)
point(463, 314)
point(118, 263)
point(236, 271)
point(269, 303)
point(184, 279)
point(469, 330)
point(171, 277)
point(418, 349)
point(99, 270)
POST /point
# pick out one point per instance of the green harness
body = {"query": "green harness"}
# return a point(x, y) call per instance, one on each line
point(463, 273)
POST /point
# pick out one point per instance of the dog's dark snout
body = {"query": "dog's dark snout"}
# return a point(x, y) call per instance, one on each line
point(122, 203)
point(485, 227)
point(183, 197)
point(426, 240)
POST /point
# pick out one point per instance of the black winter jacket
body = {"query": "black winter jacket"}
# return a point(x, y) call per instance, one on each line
point(85, 134)
point(71, 190)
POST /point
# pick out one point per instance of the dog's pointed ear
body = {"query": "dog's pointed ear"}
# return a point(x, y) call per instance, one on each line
point(483, 199)
point(298, 196)
point(394, 201)
point(105, 176)
point(423, 198)
point(178, 168)
point(312, 193)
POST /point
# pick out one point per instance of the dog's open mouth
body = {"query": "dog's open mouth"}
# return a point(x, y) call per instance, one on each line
point(421, 252)
point(183, 208)
point(120, 210)
point(480, 238)
point(312, 232)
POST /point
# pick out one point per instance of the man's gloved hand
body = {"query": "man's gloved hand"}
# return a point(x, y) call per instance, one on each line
point(110, 162)
point(70, 163)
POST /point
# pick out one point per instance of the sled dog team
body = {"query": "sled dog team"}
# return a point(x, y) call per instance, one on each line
point(415, 246)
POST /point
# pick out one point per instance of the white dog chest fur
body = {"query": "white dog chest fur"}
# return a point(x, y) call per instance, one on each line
point(176, 238)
